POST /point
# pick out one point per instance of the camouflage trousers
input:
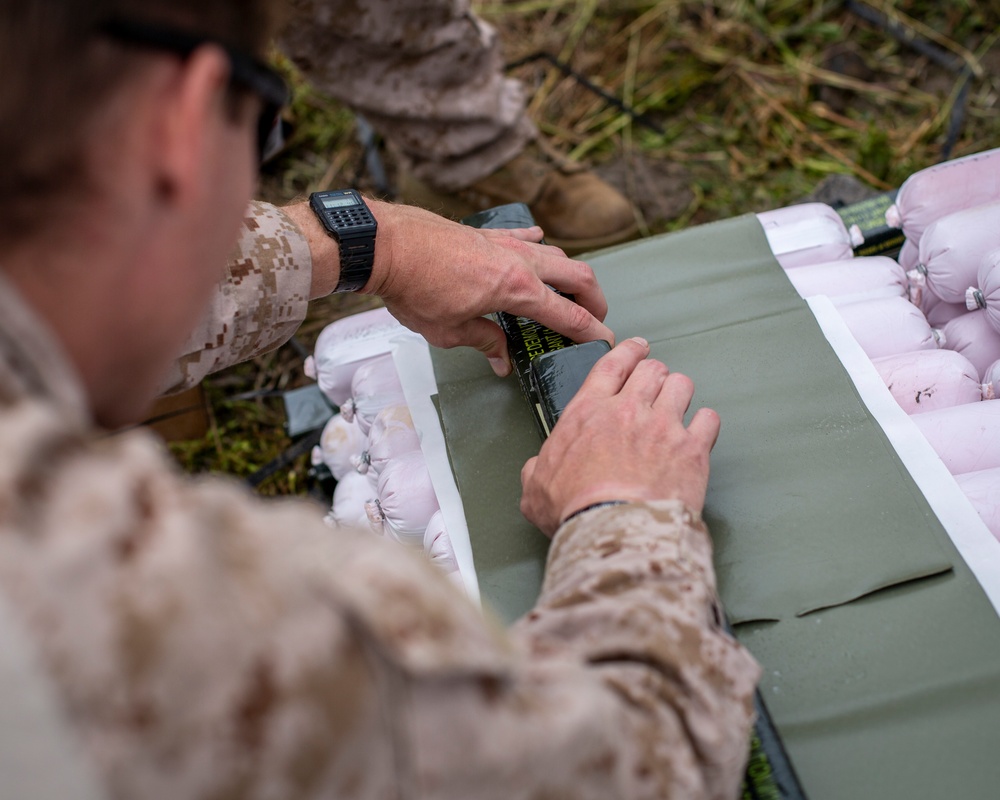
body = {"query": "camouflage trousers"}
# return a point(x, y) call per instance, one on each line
point(426, 74)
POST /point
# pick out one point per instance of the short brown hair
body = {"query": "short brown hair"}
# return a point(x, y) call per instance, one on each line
point(57, 70)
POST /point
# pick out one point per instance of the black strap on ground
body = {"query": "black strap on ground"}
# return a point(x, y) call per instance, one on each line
point(610, 99)
point(957, 117)
point(288, 457)
point(371, 162)
point(901, 33)
point(177, 412)
point(931, 51)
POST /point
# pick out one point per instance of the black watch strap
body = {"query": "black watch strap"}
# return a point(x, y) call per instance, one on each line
point(344, 215)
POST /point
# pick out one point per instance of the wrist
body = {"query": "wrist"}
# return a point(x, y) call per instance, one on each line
point(606, 493)
point(386, 215)
point(323, 250)
point(409, 239)
point(594, 507)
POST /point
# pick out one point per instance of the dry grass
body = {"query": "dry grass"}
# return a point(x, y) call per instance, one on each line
point(751, 105)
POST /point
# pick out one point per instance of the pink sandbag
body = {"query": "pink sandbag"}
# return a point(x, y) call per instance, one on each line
point(983, 490)
point(941, 313)
point(374, 386)
point(340, 443)
point(966, 437)
point(437, 546)
point(952, 248)
point(909, 254)
point(852, 278)
point(991, 381)
point(406, 500)
point(888, 325)
point(350, 495)
point(926, 380)
point(972, 335)
point(810, 233)
point(392, 434)
point(943, 189)
point(985, 294)
point(346, 344)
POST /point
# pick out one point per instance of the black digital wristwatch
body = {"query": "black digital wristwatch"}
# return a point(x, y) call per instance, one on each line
point(347, 219)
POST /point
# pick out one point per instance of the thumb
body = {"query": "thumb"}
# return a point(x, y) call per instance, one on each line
point(489, 339)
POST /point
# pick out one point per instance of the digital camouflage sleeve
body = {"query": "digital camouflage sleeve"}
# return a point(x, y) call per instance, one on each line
point(209, 644)
point(259, 306)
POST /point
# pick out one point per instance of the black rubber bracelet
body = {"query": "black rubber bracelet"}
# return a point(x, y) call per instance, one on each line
point(602, 504)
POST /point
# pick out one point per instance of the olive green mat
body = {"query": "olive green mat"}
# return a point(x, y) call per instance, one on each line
point(809, 507)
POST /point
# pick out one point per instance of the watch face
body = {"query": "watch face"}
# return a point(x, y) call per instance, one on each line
point(340, 202)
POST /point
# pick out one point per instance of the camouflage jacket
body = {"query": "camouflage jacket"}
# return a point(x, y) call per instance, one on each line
point(208, 644)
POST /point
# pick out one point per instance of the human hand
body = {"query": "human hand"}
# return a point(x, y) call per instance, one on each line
point(440, 278)
point(622, 437)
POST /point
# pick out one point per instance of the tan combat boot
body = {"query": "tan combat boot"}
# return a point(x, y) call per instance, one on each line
point(577, 210)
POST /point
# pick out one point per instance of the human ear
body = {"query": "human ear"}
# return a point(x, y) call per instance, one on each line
point(192, 114)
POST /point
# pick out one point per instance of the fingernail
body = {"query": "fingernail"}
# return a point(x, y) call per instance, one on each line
point(639, 340)
point(500, 367)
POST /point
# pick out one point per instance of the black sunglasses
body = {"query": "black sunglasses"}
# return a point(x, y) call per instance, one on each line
point(246, 71)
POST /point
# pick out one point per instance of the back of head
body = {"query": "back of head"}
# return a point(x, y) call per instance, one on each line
point(59, 72)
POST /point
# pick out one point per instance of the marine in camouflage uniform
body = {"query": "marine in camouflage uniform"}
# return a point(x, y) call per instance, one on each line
point(208, 644)
point(430, 79)
point(428, 76)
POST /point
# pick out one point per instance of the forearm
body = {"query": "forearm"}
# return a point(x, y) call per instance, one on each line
point(258, 306)
point(401, 230)
point(283, 259)
point(630, 592)
point(438, 277)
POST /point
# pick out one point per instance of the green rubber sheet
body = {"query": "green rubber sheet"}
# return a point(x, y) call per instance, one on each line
point(879, 649)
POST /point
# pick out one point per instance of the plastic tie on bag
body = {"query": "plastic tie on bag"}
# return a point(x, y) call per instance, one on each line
point(974, 299)
point(939, 338)
point(373, 509)
point(362, 463)
point(988, 391)
point(857, 237)
point(347, 410)
point(892, 217)
point(309, 368)
point(917, 278)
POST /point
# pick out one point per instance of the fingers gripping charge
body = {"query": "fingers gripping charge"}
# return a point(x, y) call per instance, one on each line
point(553, 293)
point(584, 314)
point(577, 307)
point(622, 438)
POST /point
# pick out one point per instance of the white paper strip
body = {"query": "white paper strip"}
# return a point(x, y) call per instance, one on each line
point(416, 372)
